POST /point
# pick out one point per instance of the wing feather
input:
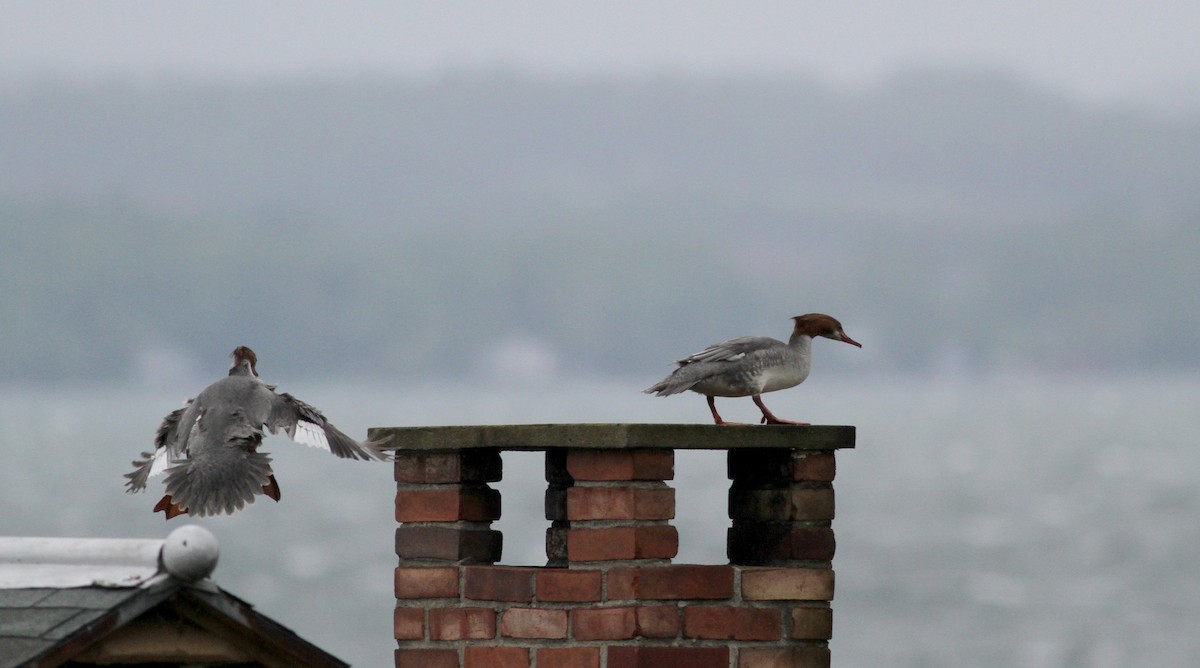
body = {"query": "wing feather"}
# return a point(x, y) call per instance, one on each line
point(166, 443)
point(732, 350)
point(305, 424)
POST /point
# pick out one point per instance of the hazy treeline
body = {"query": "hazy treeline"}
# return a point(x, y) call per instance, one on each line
point(384, 227)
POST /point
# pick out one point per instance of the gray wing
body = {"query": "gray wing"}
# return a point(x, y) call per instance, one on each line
point(733, 349)
point(305, 424)
point(140, 474)
point(174, 436)
point(165, 449)
point(168, 431)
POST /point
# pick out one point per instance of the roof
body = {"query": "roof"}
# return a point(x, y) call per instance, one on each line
point(119, 601)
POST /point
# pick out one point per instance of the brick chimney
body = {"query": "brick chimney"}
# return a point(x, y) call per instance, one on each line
point(609, 596)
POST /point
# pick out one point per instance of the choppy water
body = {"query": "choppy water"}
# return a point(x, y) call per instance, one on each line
point(1032, 523)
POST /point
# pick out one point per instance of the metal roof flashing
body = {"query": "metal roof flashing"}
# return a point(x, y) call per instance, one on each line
point(188, 555)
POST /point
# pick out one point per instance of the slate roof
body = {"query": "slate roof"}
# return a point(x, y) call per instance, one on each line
point(58, 598)
point(34, 621)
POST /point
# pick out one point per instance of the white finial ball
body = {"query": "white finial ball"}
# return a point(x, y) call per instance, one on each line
point(190, 553)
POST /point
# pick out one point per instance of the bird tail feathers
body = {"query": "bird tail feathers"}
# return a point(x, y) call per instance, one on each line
point(668, 386)
point(223, 481)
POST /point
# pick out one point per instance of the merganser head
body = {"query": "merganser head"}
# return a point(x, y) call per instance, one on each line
point(244, 357)
point(819, 324)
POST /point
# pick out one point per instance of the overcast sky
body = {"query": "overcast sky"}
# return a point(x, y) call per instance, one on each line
point(1146, 52)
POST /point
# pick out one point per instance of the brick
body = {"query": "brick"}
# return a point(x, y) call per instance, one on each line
point(555, 503)
point(556, 544)
point(556, 468)
point(656, 542)
point(448, 467)
point(460, 545)
point(712, 622)
point(812, 623)
point(584, 464)
point(765, 467)
point(609, 544)
point(781, 505)
point(408, 623)
point(759, 465)
point(604, 623)
point(418, 582)
point(495, 657)
point(658, 621)
point(765, 543)
point(787, 584)
point(613, 543)
point(533, 623)
point(568, 657)
point(784, 657)
point(513, 584)
point(563, 585)
point(813, 466)
point(656, 503)
point(474, 503)
point(616, 503)
point(462, 623)
point(623, 583)
point(426, 658)
point(670, 582)
point(667, 657)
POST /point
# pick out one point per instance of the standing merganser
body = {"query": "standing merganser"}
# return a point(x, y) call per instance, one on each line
point(750, 365)
point(209, 448)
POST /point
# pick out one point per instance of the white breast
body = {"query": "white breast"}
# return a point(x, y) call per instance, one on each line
point(783, 377)
point(790, 370)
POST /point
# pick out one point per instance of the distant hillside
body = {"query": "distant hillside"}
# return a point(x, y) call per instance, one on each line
point(959, 222)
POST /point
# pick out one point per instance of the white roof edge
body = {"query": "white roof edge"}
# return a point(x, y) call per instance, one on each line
point(26, 563)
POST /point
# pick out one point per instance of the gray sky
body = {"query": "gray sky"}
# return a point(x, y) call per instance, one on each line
point(1101, 49)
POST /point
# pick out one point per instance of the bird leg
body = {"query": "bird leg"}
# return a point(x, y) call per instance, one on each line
point(169, 508)
point(769, 417)
point(271, 489)
point(712, 406)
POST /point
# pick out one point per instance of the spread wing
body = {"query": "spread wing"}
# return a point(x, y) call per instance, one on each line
point(307, 425)
point(142, 470)
point(169, 429)
point(166, 449)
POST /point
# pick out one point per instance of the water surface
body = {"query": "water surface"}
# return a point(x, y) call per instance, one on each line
point(1007, 522)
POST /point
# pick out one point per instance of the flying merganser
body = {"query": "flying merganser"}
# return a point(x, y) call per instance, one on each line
point(750, 365)
point(209, 448)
